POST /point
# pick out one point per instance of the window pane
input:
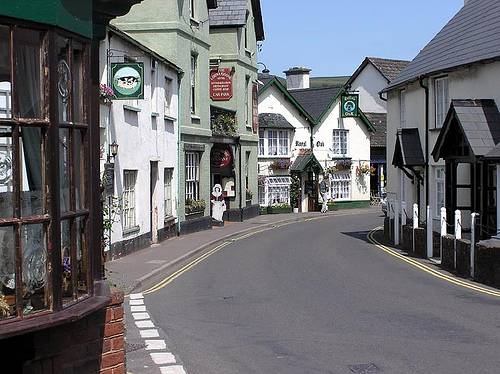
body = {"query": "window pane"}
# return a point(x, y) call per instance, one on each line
point(82, 255)
point(79, 169)
point(5, 78)
point(64, 183)
point(6, 186)
point(28, 73)
point(34, 268)
point(78, 83)
point(67, 271)
point(32, 175)
point(63, 78)
point(7, 273)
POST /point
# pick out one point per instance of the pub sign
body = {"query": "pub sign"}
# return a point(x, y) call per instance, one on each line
point(221, 84)
point(350, 106)
point(128, 80)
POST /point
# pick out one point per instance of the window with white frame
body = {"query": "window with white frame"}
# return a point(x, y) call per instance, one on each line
point(167, 194)
point(402, 108)
point(274, 143)
point(168, 96)
point(192, 9)
point(262, 192)
point(340, 146)
point(129, 208)
point(440, 189)
point(442, 100)
point(192, 175)
point(193, 84)
point(261, 143)
point(341, 186)
point(278, 190)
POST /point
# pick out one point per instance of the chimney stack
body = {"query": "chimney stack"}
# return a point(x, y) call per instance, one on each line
point(297, 78)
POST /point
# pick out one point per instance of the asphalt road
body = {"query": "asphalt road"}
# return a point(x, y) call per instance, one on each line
point(316, 297)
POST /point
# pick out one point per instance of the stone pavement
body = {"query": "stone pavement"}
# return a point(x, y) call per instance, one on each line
point(130, 272)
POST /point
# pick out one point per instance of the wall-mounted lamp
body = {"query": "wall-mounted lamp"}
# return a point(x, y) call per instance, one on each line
point(113, 149)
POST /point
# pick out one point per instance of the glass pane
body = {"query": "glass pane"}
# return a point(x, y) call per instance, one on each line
point(78, 83)
point(6, 182)
point(64, 182)
point(7, 273)
point(79, 169)
point(32, 175)
point(5, 78)
point(81, 256)
point(63, 78)
point(34, 268)
point(67, 271)
point(28, 73)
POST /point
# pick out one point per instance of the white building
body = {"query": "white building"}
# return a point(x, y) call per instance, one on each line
point(146, 132)
point(443, 106)
point(302, 133)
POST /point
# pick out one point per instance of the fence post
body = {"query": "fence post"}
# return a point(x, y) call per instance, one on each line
point(391, 216)
point(429, 232)
point(403, 219)
point(396, 223)
point(444, 230)
point(415, 224)
point(473, 243)
point(458, 234)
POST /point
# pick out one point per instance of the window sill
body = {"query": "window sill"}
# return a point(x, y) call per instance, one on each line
point(169, 219)
point(131, 108)
point(341, 157)
point(194, 22)
point(131, 230)
point(168, 118)
point(248, 53)
point(155, 114)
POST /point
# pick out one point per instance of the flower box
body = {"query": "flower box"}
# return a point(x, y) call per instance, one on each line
point(279, 209)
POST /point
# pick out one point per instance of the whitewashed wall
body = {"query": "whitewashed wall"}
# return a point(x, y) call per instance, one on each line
point(142, 137)
point(369, 83)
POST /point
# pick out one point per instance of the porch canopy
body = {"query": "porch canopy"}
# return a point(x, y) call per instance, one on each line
point(408, 154)
point(469, 136)
point(306, 162)
point(274, 121)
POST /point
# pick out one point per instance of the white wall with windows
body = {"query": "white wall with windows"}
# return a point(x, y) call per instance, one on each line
point(368, 83)
point(146, 132)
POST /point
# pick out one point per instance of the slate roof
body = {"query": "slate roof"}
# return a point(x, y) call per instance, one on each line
point(472, 35)
point(379, 122)
point(408, 150)
point(389, 68)
point(306, 161)
point(231, 13)
point(324, 82)
point(315, 100)
point(479, 121)
point(274, 121)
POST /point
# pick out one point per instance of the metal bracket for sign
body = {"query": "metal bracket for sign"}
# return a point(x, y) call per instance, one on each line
point(110, 55)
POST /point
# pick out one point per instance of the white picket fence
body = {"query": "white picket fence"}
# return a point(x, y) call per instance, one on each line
point(398, 214)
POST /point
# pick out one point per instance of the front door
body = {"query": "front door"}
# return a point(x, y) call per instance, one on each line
point(154, 201)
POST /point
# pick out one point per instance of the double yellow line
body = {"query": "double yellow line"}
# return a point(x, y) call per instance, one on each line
point(429, 270)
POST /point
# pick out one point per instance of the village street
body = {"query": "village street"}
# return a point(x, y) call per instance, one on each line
point(315, 297)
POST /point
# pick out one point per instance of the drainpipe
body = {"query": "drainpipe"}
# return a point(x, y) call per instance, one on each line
point(179, 116)
point(426, 88)
point(241, 183)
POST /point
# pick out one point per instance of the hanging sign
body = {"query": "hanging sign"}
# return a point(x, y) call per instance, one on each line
point(108, 179)
point(128, 80)
point(221, 84)
point(350, 106)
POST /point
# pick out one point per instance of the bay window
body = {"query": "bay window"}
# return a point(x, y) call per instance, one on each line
point(44, 168)
point(341, 186)
point(274, 143)
point(274, 191)
point(340, 147)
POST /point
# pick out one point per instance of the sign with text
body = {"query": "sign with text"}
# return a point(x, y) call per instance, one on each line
point(128, 80)
point(350, 106)
point(221, 84)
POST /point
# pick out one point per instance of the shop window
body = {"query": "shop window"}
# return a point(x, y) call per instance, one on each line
point(33, 209)
point(277, 190)
point(192, 175)
point(341, 186)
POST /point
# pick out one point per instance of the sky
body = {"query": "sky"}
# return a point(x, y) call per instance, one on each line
point(332, 37)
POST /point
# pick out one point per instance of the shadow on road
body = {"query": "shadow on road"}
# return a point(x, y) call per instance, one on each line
point(361, 235)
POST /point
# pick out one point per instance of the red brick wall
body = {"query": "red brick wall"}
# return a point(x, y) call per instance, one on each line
point(113, 344)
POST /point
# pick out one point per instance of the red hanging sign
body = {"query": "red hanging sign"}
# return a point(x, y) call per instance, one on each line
point(221, 84)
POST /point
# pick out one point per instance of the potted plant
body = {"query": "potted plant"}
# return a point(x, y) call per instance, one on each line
point(224, 124)
point(195, 208)
point(279, 208)
point(295, 193)
point(106, 94)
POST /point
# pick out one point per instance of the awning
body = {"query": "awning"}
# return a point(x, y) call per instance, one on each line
point(408, 150)
point(306, 162)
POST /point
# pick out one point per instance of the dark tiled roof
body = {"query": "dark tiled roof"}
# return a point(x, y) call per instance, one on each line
point(265, 78)
point(389, 68)
point(325, 82)
point(306, 161)
point(274, 121)
point(379, 122)
point(479, 122)
point(408, 149)
point(234, 13)
point(471, 36)
point(315, 100)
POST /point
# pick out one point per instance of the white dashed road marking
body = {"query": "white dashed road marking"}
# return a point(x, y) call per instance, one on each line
point(163, 358)
point(137, 302)
point(149, 334)
point(136, 296)
point(138, 308)
point(176, 369)
point(139, 316)
point(155, 345)
point(144, 324)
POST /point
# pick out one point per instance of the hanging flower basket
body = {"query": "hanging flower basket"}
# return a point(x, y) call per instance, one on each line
point(106, 94)
point(280, 165)
point(363, 170)
point(341, 165)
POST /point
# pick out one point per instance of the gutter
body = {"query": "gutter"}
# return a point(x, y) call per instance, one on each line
point(426, 88)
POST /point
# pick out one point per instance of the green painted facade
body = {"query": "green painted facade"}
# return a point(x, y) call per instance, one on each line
point(71, 15)
point(165, 26)
point(228, 51)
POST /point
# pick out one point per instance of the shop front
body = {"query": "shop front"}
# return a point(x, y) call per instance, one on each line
point(51, 274)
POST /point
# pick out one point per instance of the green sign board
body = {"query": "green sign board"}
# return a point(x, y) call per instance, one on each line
point(128, 80)
point(350, 106)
